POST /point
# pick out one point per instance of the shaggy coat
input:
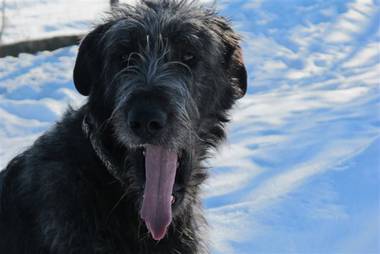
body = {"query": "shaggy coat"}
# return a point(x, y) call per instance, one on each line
point(80, 187)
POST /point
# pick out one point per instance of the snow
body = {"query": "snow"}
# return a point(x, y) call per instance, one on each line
point(301, 168)
point(36, 19)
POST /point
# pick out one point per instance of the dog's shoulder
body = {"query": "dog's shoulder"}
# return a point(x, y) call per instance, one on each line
point(50, 165)
point(42, 188)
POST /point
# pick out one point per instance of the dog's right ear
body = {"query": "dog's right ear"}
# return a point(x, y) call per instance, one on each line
point(88, 65)
point(233, 61)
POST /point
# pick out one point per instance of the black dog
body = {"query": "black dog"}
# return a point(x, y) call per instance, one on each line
point(122, 173)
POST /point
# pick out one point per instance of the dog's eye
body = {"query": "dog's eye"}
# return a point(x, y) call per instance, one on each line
point(189, 58)
point(124, 59)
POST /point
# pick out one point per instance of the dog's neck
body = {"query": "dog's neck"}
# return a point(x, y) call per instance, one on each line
point(89, 128)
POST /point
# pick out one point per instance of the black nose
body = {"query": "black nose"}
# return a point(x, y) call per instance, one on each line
point(147, 122)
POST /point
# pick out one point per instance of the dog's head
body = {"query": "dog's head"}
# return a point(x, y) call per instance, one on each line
point(161, 77)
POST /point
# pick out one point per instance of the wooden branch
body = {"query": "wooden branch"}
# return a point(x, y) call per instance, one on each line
point(35, 46)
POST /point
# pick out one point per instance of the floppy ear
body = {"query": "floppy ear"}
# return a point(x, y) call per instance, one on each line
point(237, 71)
point(88, 65)
point(233, 61)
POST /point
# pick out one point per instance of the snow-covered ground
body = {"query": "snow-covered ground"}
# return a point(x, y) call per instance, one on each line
point(31, 19)
point(301, 170)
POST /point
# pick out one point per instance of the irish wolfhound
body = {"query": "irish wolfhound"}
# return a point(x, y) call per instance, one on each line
point(122, 174)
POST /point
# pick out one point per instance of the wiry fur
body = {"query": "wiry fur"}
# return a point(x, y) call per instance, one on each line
point(58, 196)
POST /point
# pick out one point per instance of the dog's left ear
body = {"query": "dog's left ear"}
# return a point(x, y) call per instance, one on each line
point(233, 56)
point(88, 65)
point(237, 71)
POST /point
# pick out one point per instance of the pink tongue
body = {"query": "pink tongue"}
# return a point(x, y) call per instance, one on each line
point(160, 171)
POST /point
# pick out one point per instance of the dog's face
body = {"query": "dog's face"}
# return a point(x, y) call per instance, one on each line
point(162, 77)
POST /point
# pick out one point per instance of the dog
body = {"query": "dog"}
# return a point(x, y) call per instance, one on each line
point(122, 173)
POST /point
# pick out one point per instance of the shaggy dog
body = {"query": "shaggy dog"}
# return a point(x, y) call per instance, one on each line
point(122, 174)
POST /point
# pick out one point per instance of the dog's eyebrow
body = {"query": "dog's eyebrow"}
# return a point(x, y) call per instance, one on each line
point(190, 41)
point(190, 37)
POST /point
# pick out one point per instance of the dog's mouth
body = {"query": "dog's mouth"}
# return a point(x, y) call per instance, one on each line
point(161, 166)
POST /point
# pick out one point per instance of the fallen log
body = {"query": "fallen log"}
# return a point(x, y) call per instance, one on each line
point(34, 46)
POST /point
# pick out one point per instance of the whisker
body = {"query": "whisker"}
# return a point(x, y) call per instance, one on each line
point(115, 206)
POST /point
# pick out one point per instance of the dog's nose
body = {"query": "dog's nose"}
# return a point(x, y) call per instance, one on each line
point(147, 123)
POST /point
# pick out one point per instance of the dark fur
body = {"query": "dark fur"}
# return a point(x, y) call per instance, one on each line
point(58, 197)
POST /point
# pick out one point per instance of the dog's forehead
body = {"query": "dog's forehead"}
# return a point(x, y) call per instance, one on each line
point(176, 27)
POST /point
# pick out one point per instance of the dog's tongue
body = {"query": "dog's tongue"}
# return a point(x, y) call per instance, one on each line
point(160, 170)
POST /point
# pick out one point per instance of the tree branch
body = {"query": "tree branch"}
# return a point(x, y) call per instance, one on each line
point(35, 46)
